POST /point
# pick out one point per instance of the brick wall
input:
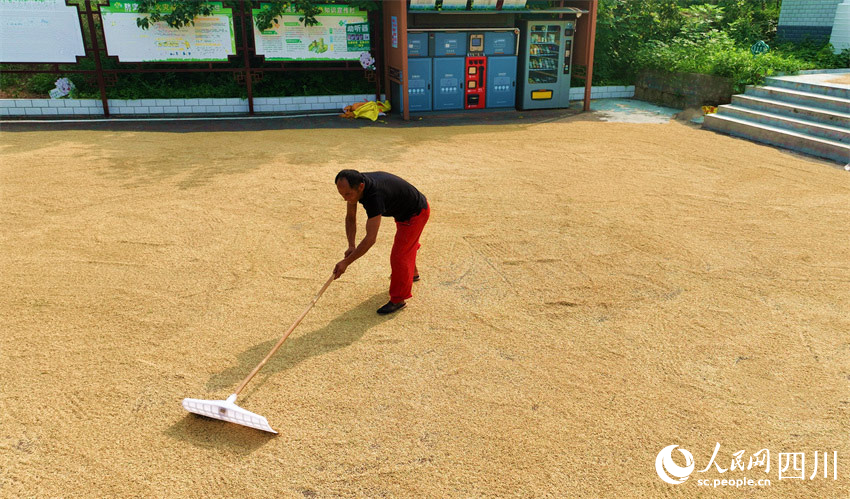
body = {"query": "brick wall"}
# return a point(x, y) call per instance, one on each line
point(801, 19)
point(93, 107)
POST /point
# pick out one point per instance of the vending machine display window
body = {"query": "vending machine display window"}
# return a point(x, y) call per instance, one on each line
point(544, 42)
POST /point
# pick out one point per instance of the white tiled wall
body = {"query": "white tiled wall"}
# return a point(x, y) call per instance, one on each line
point(577, 93)
point(808, 12)
point(76, 107)
point(148, 107)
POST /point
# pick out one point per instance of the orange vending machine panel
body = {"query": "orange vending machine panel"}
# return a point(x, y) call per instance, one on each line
point(476, 82)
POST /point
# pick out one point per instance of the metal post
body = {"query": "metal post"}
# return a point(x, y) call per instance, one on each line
point(402, 43)
point(375, 43)
point(247, 59)
point(96, 48)
point(385, 50)
point(591, 45)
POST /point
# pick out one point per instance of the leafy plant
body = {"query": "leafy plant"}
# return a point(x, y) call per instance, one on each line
point(623, 26)
point(180, 13)
point(717, 54)
point(748, 21)
point(712, 37)
point(40, 83)
point(821, 54)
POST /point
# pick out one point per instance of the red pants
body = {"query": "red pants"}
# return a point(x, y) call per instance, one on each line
point(403, 255)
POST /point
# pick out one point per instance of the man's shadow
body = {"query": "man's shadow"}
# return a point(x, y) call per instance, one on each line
point(339, 333)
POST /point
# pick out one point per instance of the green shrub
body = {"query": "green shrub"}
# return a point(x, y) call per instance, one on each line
point(748, 21)
point(715, 53)
point(41, 83)
point(698, 36)
point(223, 85)
point(8, 80)
point(623, 26)
point(821, 54)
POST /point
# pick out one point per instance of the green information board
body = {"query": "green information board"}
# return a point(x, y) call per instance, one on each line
point(210, 38)
point(357, 37)
point(342, 34)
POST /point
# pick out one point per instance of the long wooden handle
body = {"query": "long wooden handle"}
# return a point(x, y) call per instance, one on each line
point(285, 336)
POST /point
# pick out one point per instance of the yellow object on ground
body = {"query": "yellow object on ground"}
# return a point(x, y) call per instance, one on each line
point(369, 109)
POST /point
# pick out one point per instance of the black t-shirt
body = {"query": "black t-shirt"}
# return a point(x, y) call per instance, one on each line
point(391, 196)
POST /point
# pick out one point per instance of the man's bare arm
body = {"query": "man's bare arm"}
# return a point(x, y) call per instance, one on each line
point(372, 226)
point(350, 226)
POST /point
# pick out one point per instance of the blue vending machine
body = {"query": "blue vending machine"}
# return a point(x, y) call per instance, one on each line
point(417, 44)
point(419, 83)
point(449, 67)
point(448, 83)
point(500, 49)
point(419, 75)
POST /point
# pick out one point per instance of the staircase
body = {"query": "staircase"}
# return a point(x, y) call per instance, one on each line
point(805, 113)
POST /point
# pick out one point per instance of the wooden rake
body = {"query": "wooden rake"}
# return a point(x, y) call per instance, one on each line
point(227, 410)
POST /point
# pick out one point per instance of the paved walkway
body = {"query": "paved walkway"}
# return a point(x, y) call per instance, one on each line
point(610, 110)
point(832, 79)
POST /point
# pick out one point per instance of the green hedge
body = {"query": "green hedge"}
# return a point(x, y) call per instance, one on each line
point(699, 37)
point(198, 85)
point(716, 54)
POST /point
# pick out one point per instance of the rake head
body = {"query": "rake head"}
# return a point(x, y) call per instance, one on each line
point(227, 410)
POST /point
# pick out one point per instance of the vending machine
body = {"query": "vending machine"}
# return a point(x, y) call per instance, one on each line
point(419, 75)
point(476, 83)
point(500, 49)
point(546, 55)
point(449, 70)
point(476, 73)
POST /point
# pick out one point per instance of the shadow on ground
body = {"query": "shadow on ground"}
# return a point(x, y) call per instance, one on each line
point(339, 333)
point(211, 433)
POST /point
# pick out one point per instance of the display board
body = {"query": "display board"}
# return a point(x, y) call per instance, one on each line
point(423, 4)
point(483, 4)
point(454, 4)
point(513, 4)
point(39, 31)
point(210, 39)
point(342, 34)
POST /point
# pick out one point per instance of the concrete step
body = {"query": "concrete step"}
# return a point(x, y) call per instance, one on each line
point(827, 117)
point(802, 98)
point(841, 92)
point(839, 134)
point(787, 139)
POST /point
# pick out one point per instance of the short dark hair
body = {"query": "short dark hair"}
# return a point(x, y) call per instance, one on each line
point(353, 177)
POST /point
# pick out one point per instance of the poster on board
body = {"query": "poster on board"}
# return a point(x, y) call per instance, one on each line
point(342, 34)
point(483, 4)
point(454, 4)
point(513, 4)
point(39, 31)
point(423, 4)
point(210, 39)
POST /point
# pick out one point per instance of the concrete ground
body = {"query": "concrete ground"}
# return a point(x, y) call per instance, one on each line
point(829, 79)
point(593, 291)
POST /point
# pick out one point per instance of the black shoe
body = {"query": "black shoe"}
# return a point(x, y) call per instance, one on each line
point(416, 278)
point(391, 307)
